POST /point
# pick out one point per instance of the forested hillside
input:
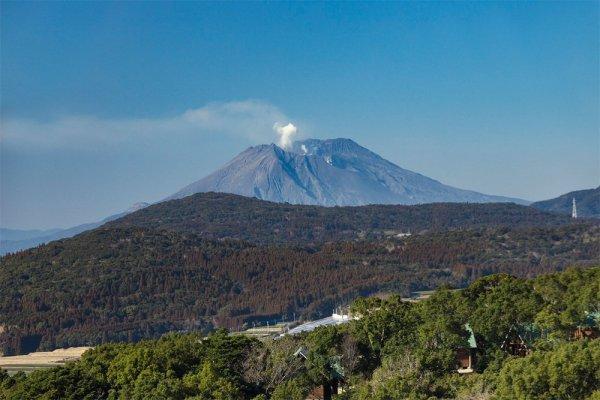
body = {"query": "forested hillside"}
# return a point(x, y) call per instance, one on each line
point(588, 203)
point(396, 350)
point(220, 215)
point(131, 283)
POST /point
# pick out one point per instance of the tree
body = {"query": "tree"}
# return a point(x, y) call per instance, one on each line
point(379, 322)
point(153, 384)
point(323, 356)
point(208, 384)
point(501, 303)
point(570, 371)
point(290, 390)
point(268, 365)
point(441, 332)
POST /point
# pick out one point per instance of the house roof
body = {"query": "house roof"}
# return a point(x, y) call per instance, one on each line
point(528, 333)
point(335, 362)
point(335, 319)
point(336, 365)
point(472, 341)
point(592, 319)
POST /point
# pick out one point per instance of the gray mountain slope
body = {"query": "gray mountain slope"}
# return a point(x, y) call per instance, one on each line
point(334, 172)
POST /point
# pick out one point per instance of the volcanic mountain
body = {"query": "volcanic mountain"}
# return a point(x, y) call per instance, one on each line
point(333, 172)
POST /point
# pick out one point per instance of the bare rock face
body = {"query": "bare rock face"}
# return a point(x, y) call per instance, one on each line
point(333, 172)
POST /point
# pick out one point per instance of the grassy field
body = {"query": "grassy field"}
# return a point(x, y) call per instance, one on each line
point(41, 359)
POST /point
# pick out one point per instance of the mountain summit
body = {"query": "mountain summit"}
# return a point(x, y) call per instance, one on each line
point(333, 172)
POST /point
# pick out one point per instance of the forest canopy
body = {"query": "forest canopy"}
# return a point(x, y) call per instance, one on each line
point(395, 350)
point(126, 284)
point(223, 215)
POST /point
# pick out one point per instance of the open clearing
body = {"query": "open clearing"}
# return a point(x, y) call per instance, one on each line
point(41, 359)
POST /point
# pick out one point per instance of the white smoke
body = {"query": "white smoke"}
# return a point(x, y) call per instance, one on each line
point(285, 133)
point(249, 120)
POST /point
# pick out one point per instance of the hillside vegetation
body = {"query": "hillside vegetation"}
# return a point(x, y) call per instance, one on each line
point(588, 203)
point(219, 215)
point(131, 283)
point(396, 350)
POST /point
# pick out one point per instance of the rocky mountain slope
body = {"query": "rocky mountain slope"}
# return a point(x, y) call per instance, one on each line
point(329, 173)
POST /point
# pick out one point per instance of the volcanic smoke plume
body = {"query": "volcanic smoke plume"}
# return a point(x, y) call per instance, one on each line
point(285, 132)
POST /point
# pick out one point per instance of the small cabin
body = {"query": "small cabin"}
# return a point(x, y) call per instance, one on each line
point(465, 356)
point(324, 391)
point(589, 328)
point(328, 387)
point(519, 340)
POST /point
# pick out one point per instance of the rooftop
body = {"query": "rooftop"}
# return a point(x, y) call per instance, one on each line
point(334, 319)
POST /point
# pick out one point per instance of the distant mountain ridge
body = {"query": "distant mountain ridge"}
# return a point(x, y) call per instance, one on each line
point(588, 203)
point(224, 215)
point(24, 234)
point(333, 172)
point(12, 240)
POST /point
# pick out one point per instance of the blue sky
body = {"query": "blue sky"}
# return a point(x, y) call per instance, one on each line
point(108, 103)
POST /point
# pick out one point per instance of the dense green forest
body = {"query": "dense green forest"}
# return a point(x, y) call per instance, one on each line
point(394, 350)
point(126, 284)
point(221, 215)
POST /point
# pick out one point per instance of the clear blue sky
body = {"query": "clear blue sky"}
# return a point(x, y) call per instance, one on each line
point(108, 103)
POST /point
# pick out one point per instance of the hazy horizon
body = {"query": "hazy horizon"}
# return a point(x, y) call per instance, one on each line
point(109, 104)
